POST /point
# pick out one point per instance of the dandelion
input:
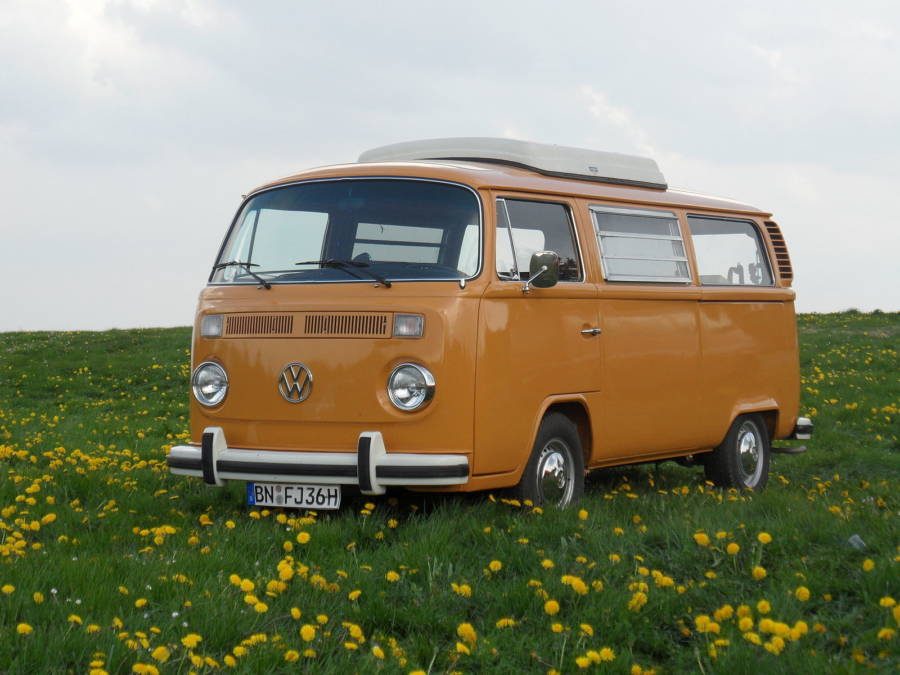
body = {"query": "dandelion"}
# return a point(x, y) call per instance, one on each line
point(353, 596)
point(763, 607)
point(702, 539)
point(887, 601)
point(463, 590)
point(887, 634)
point(462, 649)
point(467, 633)
point(547, 564)
point(303, 538)
point(733, 548)
point(74, 619)
point(392, 576)
point(551, 607)
point(583, 662)
point(24, 629)
point(260, 608)
point(764, 538)
point(587, 629)
point(296, 613)
point(607, 654)
point(38, 597)
point(308, 632)
point(7, 589)
point(556, 627)
point(759, 573)
point(191, 640)
point(140, 603)
point(378, 652)
point(495, 565)
point(868, 565)
point(582, 514)
point(291, 655)
point(505, 622)
point(802, 593)
point(247, 586)
point(161, 654)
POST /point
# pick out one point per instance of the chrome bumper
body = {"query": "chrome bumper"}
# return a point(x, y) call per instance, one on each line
point(803, 429)
point(371, 467)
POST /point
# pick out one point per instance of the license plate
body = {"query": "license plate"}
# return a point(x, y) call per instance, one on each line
point(294, 495)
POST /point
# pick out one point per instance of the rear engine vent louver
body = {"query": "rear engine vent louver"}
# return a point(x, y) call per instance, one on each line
point(259, 324)
point(785, 271)
point(337, 325)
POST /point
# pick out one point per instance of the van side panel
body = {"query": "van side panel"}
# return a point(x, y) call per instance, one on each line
point(650, 398)
point(530, 347)
point(749, 361)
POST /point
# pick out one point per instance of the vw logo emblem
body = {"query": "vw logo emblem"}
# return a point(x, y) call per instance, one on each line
point(295, 383)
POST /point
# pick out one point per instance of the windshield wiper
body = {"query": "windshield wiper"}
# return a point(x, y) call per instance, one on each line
point(349, 266)
point(246, 266)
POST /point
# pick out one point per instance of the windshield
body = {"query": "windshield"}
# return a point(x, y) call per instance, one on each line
point(395, 229)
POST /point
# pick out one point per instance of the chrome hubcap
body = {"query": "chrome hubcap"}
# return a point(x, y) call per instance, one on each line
point(749, 445)
point(556, 474)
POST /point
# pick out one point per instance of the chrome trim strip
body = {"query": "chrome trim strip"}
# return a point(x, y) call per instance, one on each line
point(251, 195)
point(632, 212)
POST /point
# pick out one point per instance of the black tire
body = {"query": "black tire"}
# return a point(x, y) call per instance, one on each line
point(742, 460)
point(558, 457)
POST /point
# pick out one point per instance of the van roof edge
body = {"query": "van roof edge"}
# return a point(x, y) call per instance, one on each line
point(551, 160)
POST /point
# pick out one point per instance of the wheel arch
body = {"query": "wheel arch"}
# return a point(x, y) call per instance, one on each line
point(576, 409)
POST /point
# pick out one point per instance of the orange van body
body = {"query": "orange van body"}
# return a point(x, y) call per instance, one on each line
point(645, 371)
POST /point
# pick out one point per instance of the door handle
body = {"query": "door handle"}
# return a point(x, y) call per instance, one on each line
point(591, 331)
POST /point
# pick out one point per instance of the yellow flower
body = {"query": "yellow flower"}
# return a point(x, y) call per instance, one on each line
point(247, 585)
point(802, 593)
point(74, 618)
point(260, 608)
point(322, 619)
point(868, 565)
point(763, 607)
point(764, 538)
point(296, 613)
point(547, 564)
point(887, 634)
point(551, 607)
point(582, 514)
point(732, 549)
point(140, 602)
point(308, 632)
point(587, 629)
point(144, 669)
point(303, 538)
point(759, 573)
point(887, 601)
point(462, 649)
point(745, 624)
point(377, 652)
point(583, 662)
point(607, 654)
point(505, 623)
point(463, 590)
point(495, 565)
point(556, 627)
point(161, 654)
point(24, 629)
point(467, 633)
point(701, 538)
point(353, 596)
point(392, 576)
point(191, 640)
point(38, 597)
point(7, 589)
point(291, 655)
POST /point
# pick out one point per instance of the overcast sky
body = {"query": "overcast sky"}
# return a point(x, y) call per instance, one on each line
point(130, 128)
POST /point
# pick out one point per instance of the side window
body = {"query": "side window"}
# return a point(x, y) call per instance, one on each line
point(729, 252)
point(526, 227)
point(644, 246)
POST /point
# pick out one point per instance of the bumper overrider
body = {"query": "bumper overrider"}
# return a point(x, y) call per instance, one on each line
point(371, 467)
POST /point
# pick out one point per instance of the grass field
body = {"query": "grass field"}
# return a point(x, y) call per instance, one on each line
point(108, 563)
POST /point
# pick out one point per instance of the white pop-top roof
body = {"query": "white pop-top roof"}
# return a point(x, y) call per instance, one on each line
point(552, 160)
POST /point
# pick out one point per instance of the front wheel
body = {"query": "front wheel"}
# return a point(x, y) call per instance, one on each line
point(554, 475)
point(742, 460)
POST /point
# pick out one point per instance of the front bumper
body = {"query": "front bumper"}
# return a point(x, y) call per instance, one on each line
point(371, 467)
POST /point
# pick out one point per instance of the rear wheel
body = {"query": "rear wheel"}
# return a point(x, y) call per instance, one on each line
point(554, 475)
point(742, 460)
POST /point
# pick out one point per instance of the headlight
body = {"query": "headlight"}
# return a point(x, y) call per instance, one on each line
point(410, 386)
point(210, 383)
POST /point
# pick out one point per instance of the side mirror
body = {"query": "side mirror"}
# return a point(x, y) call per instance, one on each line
point(543, 272)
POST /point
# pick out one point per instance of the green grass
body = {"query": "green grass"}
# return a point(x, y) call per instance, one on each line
point(85, 419)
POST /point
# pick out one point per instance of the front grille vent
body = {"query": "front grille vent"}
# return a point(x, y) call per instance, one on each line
point(785, 271)
point(346, 324)
point(259, 324)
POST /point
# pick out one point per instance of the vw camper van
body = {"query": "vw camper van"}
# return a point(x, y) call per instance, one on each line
point(475, 314)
